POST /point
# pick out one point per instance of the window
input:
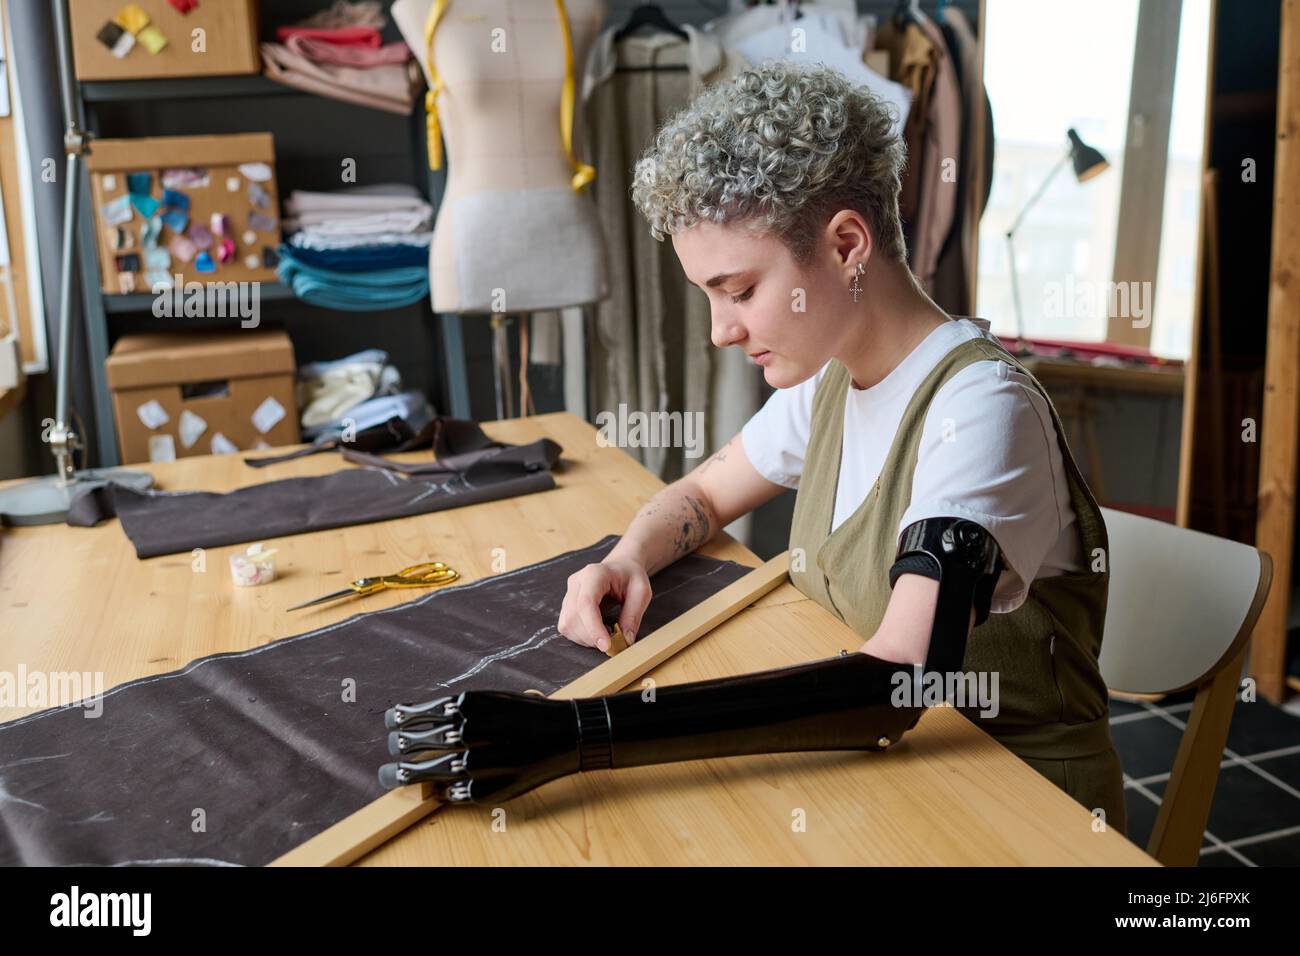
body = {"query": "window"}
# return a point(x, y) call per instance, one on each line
point(1048, 68)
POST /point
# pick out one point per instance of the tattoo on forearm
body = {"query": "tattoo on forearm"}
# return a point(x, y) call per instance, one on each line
point(718, 456)
point(692, 526)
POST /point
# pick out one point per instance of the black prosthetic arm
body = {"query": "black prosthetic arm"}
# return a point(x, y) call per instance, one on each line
point(842, 703)
point(485, 745)
point(482, 744)
point(966, 562)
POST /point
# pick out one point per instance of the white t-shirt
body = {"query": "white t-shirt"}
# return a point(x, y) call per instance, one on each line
point(988, 453)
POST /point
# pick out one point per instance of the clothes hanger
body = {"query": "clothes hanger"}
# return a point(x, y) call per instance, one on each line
point(648, 15)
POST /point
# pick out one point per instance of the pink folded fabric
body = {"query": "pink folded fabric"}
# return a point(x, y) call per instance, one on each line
point(333, 53)
point(341, 36)
point(389, 87)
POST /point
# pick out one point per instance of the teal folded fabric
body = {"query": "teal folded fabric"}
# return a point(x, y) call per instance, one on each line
point(353, 291)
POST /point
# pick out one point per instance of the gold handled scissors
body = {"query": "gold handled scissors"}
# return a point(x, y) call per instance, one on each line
point(416, 576)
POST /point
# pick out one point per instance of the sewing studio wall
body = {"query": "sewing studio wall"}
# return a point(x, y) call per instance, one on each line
point(648, 343)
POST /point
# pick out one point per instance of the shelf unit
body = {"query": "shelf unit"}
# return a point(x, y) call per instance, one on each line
point(101, 309)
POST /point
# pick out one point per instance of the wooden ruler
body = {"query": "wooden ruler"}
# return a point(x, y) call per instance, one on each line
point(377, 822)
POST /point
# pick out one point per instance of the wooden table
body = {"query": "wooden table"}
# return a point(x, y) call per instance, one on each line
point(78, 599)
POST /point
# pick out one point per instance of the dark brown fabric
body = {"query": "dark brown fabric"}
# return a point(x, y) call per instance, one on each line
point(170, 522)
point(446, 436)
point(504, 461)
point(262, 741)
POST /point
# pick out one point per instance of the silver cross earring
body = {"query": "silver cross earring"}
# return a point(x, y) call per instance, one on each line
point(856, 288)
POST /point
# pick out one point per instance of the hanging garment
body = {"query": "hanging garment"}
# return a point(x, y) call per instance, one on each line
point(732, 27)
point(1053, 703)
point(650, 348)
point(952, 282)
point(823, 42)
point(913, 62)
point(930, 182)
point(263, 739)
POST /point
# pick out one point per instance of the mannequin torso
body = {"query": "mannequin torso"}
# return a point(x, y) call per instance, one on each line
point(511, 234)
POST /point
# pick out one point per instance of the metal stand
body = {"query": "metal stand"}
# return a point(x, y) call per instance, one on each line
point(501, 365)
point(1011, 245)
point(45, 500)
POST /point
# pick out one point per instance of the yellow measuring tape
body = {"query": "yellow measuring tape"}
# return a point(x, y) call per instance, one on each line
point(583, 173)
point(431, 98)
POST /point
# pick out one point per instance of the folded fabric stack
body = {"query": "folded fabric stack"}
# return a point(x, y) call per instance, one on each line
point(339, 53)
point(361, 249)
point(327, 391)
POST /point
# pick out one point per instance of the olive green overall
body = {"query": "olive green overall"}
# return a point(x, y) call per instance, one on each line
point(1053, 705)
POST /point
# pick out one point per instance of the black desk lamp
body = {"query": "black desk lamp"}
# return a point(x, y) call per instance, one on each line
point(1088, 162)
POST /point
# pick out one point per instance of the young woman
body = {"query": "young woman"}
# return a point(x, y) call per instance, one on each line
point(780, 190)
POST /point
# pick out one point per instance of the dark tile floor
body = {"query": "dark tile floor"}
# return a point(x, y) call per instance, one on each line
point(1255, 817)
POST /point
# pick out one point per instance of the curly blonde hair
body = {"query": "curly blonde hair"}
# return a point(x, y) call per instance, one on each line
point(784, 146)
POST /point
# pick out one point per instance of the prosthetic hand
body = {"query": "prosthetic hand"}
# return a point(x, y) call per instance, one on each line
point(491, 746)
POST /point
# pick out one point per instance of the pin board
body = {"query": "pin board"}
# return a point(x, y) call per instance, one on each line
point(204, 208)
point(151, 39)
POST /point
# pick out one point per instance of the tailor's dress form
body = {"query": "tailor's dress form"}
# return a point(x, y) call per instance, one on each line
point(512, 234)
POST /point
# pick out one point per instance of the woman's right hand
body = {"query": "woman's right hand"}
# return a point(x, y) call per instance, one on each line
point(621, 580)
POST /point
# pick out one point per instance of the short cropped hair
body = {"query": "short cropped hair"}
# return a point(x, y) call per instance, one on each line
point(782, 146)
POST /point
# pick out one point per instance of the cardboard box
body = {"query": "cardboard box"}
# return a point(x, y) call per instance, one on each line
point(218, 159)
point(180, 394)
point(214, 38)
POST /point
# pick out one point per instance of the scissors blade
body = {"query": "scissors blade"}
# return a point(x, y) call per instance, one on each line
point(328, 597)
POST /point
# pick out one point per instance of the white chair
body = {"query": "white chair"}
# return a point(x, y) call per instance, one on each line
point(1181, 609)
